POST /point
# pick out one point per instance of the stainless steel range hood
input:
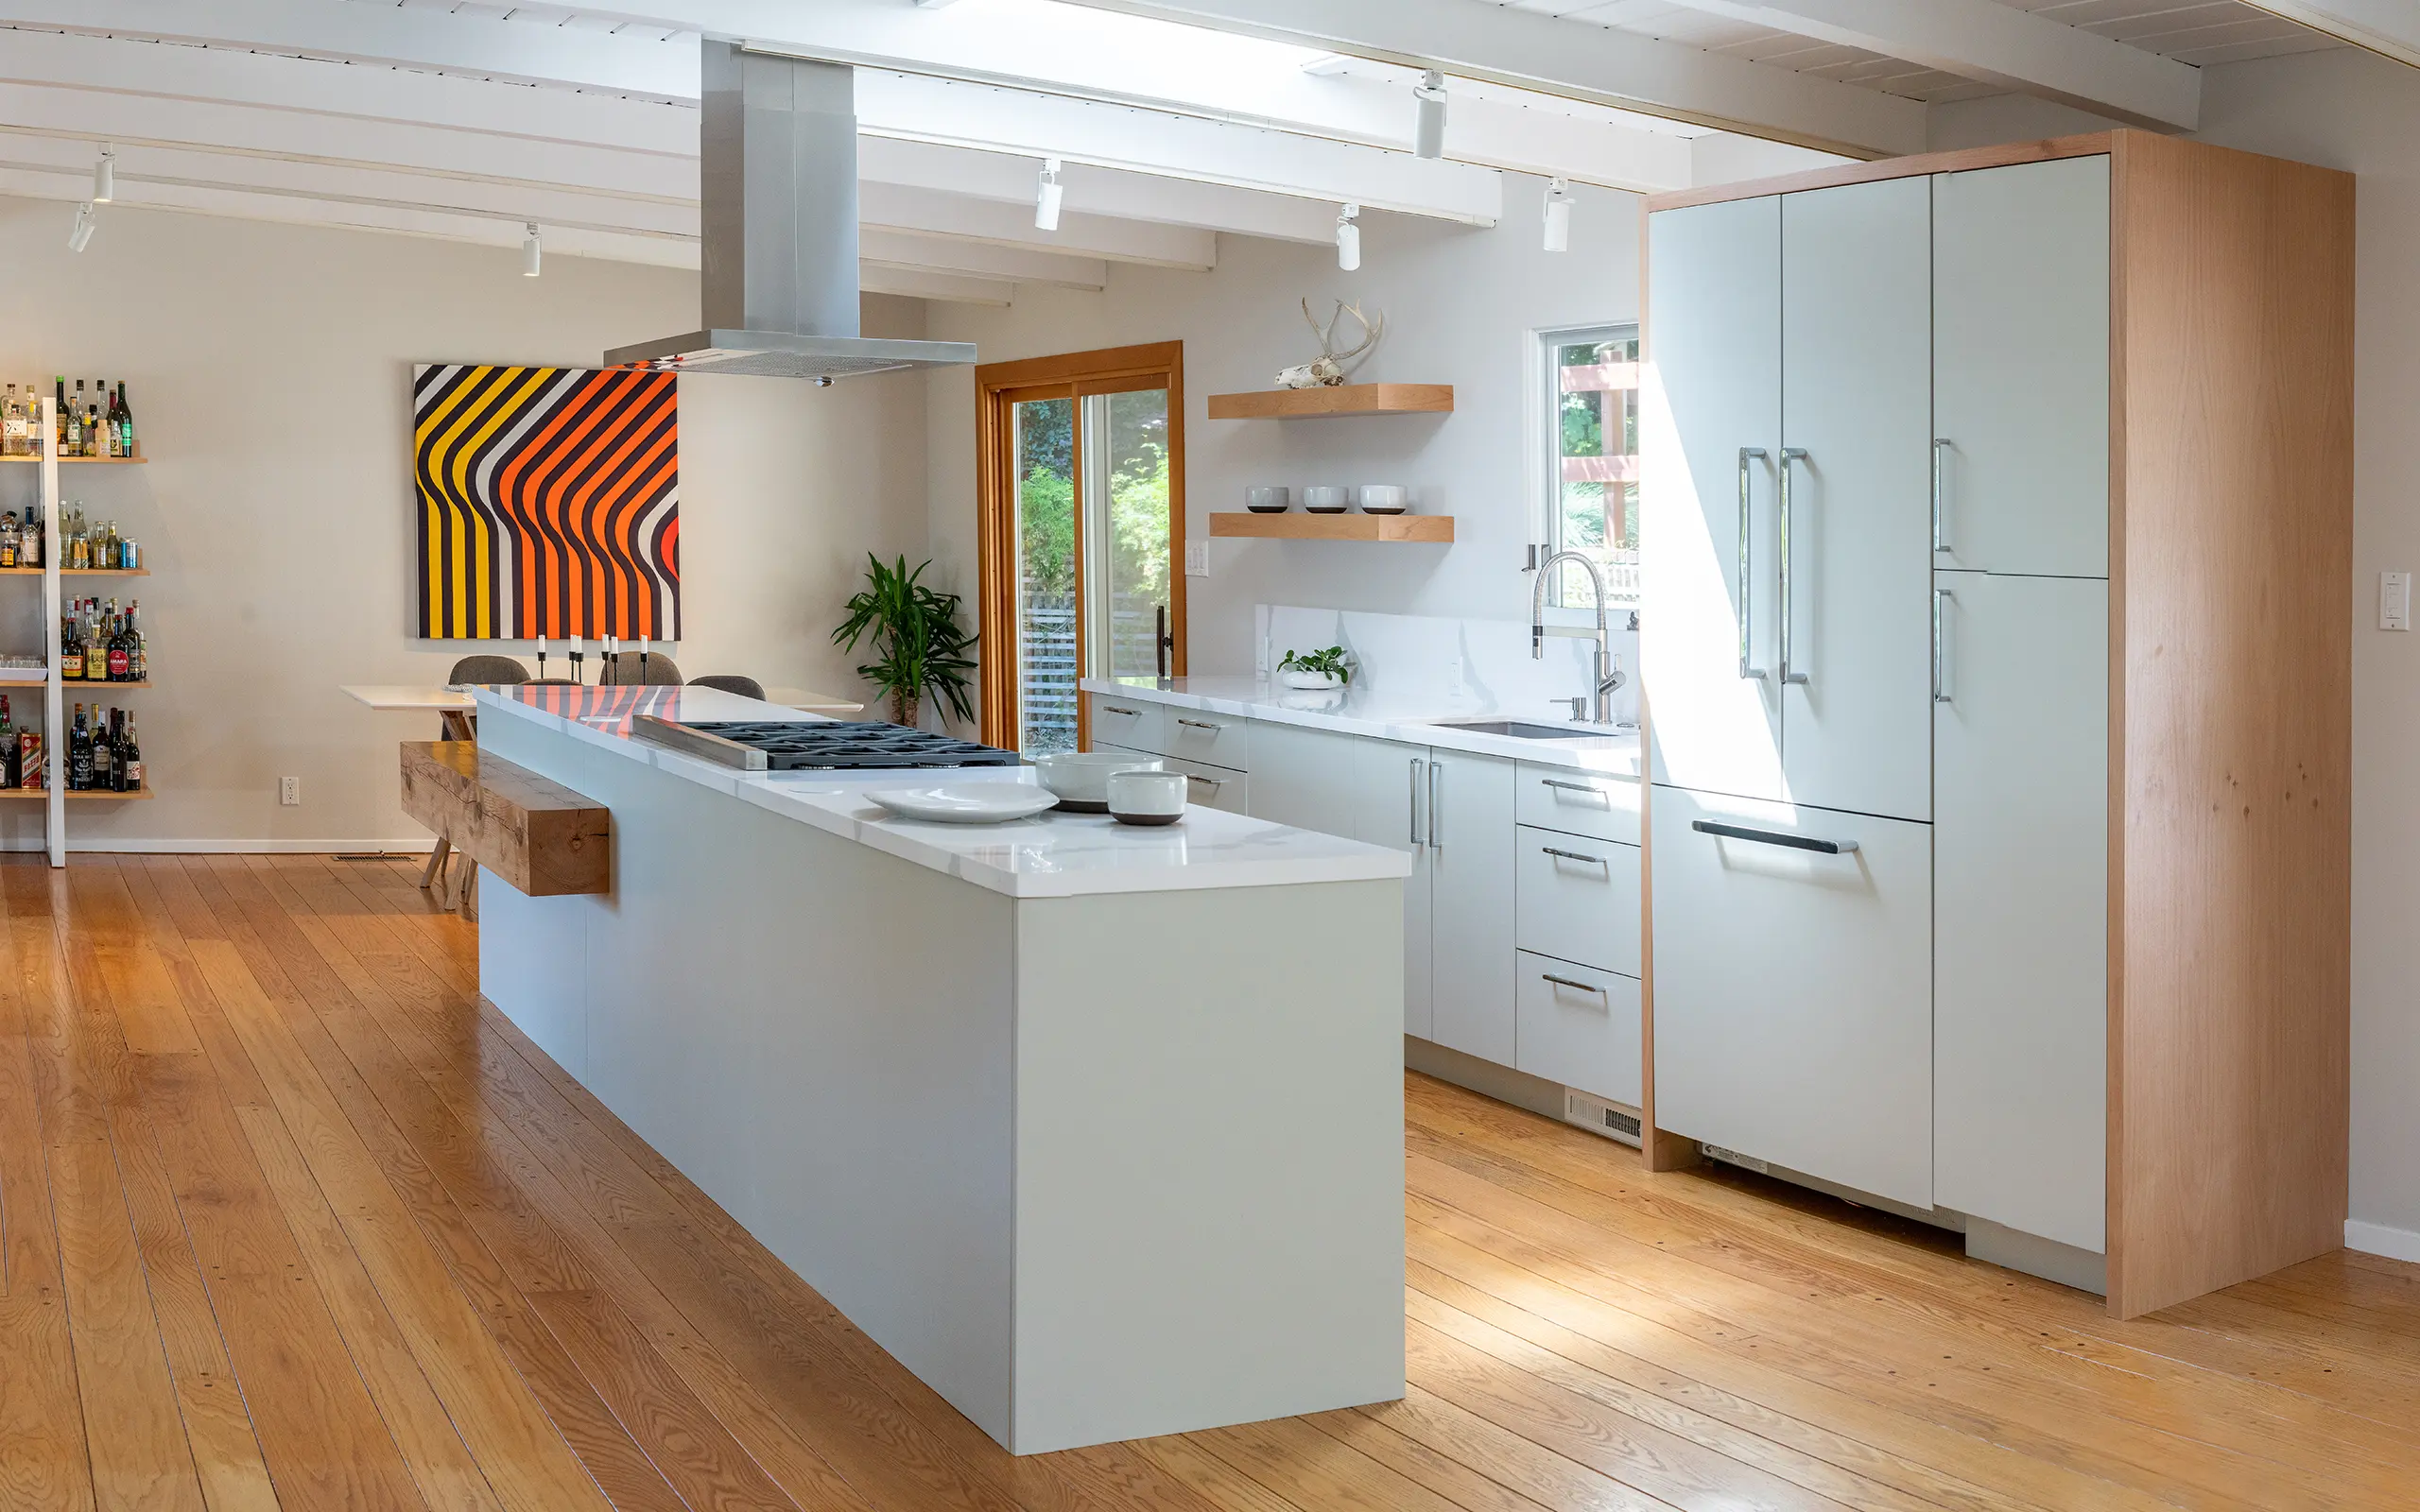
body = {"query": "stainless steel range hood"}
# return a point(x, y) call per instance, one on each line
point(778, 182)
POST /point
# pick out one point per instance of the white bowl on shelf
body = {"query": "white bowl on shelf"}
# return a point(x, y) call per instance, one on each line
point(1327, 500)
point(1384, 498)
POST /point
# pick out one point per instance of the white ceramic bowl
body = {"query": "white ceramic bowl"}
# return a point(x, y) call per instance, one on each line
point(1327, 500)
point(1080, 779)
point(1384, 498)
point(1265, 498)
point(1147, 797)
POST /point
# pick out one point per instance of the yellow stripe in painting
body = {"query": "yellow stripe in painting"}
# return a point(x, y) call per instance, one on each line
point(462, 412)
point(433, 432)
point(502, 413)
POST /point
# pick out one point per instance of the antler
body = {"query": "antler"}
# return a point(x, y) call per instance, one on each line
point(1370, 331)
point(1328, 335)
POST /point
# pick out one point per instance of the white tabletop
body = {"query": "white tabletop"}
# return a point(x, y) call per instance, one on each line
point(814, 703)
point(397, 696)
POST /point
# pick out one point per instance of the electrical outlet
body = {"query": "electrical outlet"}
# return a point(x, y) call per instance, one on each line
point(290, 792)
point(1196, 559)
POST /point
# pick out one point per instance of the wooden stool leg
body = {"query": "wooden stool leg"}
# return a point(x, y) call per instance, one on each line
point(434, 873)
point(469, 907)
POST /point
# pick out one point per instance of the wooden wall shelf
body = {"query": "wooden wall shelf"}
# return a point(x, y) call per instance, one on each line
point(74, 796)
point(1436, 528)
point(1350, 399)
point(83, 461)
point(79, 571)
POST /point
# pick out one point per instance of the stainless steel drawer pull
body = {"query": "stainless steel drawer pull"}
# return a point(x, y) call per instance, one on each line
point(1572, 855)
point(1213, 781)
point(1779, 837)
point(1576, 987)
point(1419, 770)
point(1577, 787)
point(1112, 708)
point(1196, 724)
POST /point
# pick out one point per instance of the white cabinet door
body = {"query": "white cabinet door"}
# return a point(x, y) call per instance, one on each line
point(1578, 1025)
point(1390, 785)
point(1577, 899)
point(1710, 439)
point(2020, 841)
point(2021, 368)
point(1857, 414)
point(1305, 778)
point(1470, 833)
point(1794, 988)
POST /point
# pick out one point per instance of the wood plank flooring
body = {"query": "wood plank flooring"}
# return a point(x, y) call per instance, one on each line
point(289, 1219)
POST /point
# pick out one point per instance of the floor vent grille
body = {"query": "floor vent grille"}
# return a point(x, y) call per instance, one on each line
point(1598, 1116)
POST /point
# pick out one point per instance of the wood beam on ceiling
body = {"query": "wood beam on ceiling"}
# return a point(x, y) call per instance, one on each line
point(1995, 43)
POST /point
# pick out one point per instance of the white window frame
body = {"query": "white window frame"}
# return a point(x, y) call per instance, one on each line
point(1541, 400)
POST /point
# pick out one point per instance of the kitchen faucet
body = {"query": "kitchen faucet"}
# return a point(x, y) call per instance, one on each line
point(1605, 678)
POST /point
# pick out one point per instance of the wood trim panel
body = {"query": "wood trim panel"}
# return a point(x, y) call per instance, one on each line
point(998, 387)
point(2230, 802)
point(1964, 161)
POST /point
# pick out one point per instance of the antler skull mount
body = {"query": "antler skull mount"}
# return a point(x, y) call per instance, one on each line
point(1331, 367)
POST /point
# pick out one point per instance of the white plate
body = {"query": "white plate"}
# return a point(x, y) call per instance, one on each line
point(968, 803)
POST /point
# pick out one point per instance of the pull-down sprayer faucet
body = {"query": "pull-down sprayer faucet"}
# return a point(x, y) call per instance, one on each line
point(1604, 678)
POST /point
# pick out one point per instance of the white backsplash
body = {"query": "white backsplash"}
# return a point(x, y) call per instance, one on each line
point(1482, 666)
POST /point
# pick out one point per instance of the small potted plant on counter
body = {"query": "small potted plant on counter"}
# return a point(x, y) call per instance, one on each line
point(1330, 668)
point(918, 645)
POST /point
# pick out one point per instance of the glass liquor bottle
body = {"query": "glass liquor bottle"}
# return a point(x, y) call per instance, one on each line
point(130, 762)
point(80, 754)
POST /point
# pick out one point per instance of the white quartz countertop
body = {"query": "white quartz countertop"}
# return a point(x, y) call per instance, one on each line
point(1052, 855)
point(1386, 716)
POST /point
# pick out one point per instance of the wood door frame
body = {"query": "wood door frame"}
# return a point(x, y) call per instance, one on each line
point(1075, 375)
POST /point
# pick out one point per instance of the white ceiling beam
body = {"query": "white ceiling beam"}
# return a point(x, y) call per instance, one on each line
point(899, 207)
point(1996, 45)
point(1529, 50)
point(951, 288)
point(1016, 265)
point(1130, 196)
point(2388, 26)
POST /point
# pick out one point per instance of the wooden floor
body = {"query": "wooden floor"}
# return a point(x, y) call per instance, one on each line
point(288, 1219)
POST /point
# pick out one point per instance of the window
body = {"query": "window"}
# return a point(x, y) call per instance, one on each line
point(1586, 424)
point(1082, 520)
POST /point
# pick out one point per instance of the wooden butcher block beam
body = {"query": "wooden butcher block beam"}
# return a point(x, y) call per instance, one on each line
point(539, 836)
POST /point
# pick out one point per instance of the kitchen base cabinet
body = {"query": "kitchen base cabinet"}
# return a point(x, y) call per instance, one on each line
point(1389, 783)
point(1794, 988)
point(1578, 899)
point(1578, 1025)
point(1468, 826)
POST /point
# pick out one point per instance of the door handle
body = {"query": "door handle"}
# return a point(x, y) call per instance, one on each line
point(1747, 537)
point(1436, 826)
point(1416, 765)
point(1571, 855)
point(1576, 987)
point(1112, 708)
point(1941, 690)
point(1941, 446)
point(1197, 724)
point(1788, 454)
point(1583, 787)
point(1779, 837)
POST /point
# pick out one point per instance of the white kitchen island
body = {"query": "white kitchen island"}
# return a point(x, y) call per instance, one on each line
point(1097, 1130)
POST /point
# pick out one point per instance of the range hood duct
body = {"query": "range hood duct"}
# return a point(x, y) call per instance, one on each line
point(778, 186)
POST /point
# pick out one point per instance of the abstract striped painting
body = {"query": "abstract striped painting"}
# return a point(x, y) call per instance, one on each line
point(550, 502)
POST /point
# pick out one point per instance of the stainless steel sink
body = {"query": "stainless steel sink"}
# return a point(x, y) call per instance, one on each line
point(1518, 729)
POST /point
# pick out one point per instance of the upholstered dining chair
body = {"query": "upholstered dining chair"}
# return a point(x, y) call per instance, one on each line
point(731, 683)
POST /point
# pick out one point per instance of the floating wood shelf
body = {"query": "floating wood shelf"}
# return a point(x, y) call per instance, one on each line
point(74, 796)
point(85, 461)
point(1350, 399)
point(1292, 527)
point(79, 571)
point(79, 683)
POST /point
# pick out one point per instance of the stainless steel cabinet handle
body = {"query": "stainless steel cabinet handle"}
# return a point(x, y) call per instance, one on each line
point(1788, 454)
point(1212, 781)
point(1779, 837)
point(1746, 455)
point(1112, 708)
point(1941, 446)
point(1571, 855)
point(1576, 987)
point(1436, 825)
point(1581, 787)
point(1417, 766)
point(1196, 724)
point(1941, 692)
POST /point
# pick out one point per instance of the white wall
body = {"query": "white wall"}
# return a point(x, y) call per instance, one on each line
point(1458, 302)
point(2357, 111)
point(269, 368)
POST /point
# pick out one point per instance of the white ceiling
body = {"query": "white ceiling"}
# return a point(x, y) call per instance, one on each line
point(2199, 32)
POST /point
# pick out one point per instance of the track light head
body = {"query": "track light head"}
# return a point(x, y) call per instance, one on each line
point(1428, 124)
point(80, 234)
point(1348, 239)
point(1047, 196)
point(1557, 215)
point(531, 252)
point(105, 177)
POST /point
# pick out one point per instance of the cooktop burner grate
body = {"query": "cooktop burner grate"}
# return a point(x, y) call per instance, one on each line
point(809, 746)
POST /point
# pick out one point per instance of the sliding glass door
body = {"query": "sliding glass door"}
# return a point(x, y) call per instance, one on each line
point(1082, 526)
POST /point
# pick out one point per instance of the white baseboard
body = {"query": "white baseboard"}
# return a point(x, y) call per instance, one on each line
point(2378, 1239)
point(112, 843)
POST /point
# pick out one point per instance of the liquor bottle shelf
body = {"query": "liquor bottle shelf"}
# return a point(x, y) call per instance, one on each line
point(79, 683)
point(73, 794)
point(79, 571)
point(82, 461)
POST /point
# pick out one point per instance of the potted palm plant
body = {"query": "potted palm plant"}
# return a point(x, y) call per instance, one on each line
point(918, 645)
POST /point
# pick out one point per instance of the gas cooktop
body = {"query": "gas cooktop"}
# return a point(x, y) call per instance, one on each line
point(791, 746)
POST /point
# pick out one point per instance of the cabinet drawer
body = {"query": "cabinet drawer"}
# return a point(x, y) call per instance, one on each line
point(1213, 787)
point(1558, 798)
point(1129, 724)
point(1578, 1025)
point(1578, 899)
point(1220, 740)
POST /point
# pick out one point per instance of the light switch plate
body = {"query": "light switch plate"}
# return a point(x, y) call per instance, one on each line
point(1196, 559)
point(2394, 601)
